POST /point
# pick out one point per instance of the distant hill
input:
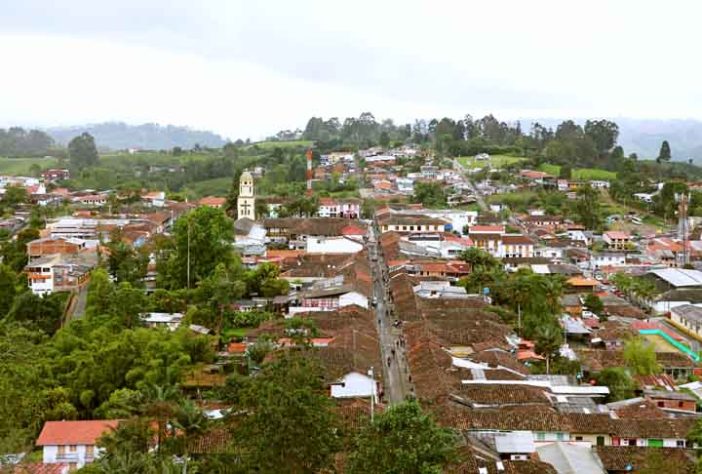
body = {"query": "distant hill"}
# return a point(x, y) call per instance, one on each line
point(644, 137)
point(148, 136)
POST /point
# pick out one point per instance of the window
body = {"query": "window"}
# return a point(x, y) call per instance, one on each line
point(89, 451)
point(72, 448)
point(561, 436)
point(661, 404)
point(61, 451)
point(681, 404)
point(578, 438)
point(680, 443)
point(540, 436)
point(630, 442)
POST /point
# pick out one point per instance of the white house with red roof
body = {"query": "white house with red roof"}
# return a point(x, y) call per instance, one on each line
point(338, 207)
point(73, 442)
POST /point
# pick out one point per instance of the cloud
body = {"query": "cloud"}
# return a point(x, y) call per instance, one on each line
point(248, 68)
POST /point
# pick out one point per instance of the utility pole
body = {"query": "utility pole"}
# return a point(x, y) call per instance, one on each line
point(188, 263)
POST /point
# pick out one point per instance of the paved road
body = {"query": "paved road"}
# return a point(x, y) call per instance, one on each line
point(396, 372)
point(80, 303)
point(469, 181)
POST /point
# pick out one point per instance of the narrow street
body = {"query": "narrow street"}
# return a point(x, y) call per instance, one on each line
point(395, 367)
point(469, 181)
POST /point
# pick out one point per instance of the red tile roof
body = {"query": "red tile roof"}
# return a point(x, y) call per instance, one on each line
point(496, 229)
point(617, 235)
point(74, 432)
point(212, 201)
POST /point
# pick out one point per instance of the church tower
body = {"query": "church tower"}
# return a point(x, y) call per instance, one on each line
point(246, 202)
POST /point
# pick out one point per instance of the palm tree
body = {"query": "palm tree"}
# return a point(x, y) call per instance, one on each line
point(520, 289)
point(547, 341)
point(191, 421)
point(161, 404)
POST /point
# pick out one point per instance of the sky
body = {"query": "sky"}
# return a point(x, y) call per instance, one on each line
point(251, 68)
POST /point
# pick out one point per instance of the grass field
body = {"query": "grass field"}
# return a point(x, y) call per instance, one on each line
point(495, 161)
point(21, 166)
point(211, 187)
point(581, 173)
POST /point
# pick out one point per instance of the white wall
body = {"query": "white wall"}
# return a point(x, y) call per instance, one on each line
point(353, 297)
point(51, 456)
point(332, 245)
point(354, 385)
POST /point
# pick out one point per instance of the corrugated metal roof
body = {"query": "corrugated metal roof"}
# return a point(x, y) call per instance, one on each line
point(679, 277)
point(570, 458)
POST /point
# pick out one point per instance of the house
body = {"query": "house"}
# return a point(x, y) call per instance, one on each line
point(535, 220)
point(57, 272)
point(583, 284)
point(404, 185)
point(154, 198)
point(49, 246)
point(394, 222)
point(688, 318)
point(516, 246)
point(170, 321)
point(607, 259)
point(349, 208)
point(94, 200)
point(73, 442)
point(213, 201)
point(617, 240)
point(335, 245)
point(674, 401)
point(487, 237)
point(56, 174)
point(440, 289)
point(331, 294)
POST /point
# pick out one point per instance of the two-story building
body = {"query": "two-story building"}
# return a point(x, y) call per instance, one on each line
point(73, 442)
point(349, 208)
point(617, 239)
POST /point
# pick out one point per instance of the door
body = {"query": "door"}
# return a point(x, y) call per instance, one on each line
point(600, 441)
point(655, 443)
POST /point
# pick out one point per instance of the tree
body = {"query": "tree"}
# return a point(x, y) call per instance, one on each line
point(548, 339)
point(621, 385)
point(603, 133)
point(402, 440)
point(201, 240)
point(664, 153)
point(587, 206)
point(8, 284)
point(479, 259)
point(384, 139)
point(125, 264)
point(44, 312)
point(288, 419)
point(82, 151)
point(566, 172)
point(594, 303)
point(640, 357)
point(14, 195)
point(429, 194)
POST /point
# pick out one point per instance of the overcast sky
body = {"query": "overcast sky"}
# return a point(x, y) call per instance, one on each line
point(250, 68)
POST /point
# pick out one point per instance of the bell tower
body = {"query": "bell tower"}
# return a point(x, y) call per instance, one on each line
point(246, 202)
